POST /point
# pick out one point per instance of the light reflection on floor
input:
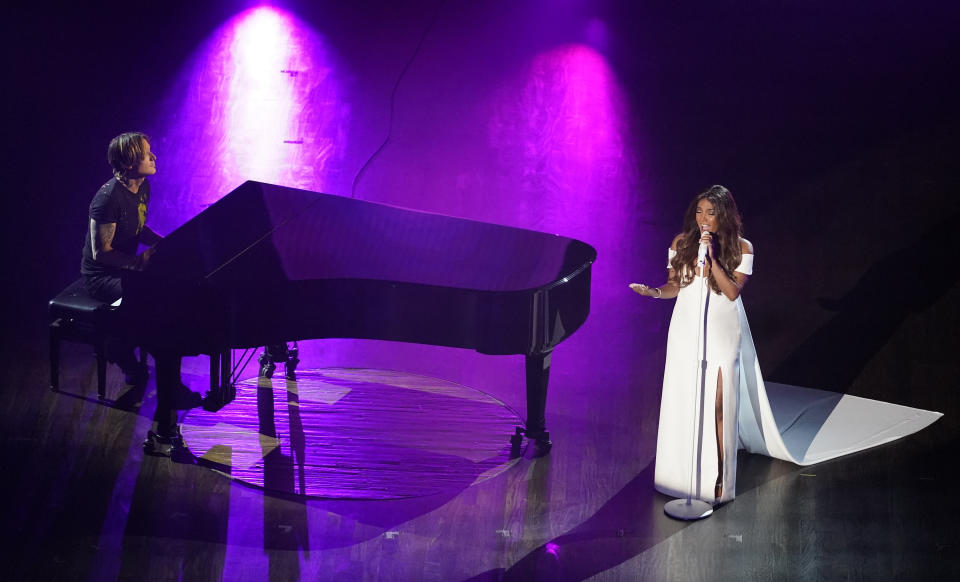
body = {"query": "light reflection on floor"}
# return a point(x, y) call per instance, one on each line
point(355, 434)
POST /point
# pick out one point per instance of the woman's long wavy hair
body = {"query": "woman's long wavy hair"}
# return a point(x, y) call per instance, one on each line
point(726, 248)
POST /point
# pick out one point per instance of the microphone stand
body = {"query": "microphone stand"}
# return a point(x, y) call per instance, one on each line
point(690, 509)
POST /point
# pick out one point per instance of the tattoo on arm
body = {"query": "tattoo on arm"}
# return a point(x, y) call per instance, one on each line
point(101, 237)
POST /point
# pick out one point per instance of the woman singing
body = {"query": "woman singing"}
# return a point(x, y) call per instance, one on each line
point(709, 263)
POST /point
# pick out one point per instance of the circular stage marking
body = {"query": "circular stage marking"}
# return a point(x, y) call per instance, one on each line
point(355, 434)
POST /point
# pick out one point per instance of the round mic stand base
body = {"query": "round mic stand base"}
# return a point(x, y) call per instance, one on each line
point(687, 509)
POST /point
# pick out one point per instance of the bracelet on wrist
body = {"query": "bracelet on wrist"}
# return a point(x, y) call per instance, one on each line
point(659, 292)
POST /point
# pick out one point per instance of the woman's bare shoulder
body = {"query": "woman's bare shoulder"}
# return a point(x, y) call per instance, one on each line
point(746, 246)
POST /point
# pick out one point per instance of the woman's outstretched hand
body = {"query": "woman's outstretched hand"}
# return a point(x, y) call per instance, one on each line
point(641, 289)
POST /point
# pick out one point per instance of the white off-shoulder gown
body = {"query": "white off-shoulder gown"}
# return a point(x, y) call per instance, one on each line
point(800, 425)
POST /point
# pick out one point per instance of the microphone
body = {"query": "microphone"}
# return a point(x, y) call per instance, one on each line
point(702, 252)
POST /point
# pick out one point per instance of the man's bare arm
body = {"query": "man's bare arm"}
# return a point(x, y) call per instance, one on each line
point(101, 239)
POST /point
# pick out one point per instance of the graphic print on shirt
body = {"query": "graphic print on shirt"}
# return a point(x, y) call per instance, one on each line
point(141, 214)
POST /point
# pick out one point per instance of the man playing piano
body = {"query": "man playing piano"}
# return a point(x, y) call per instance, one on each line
point(116, 227)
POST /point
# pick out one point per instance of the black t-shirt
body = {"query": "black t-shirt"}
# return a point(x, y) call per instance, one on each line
point(114, 203)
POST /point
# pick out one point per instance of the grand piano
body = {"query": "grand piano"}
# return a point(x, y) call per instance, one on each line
point(268, 264)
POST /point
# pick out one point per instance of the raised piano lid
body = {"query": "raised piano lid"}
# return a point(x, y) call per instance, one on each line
point(296, 235)
point(267, 264)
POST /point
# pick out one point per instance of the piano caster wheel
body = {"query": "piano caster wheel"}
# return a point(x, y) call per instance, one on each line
point(291, 366)
point(541, 443)
point(279, 352)
point(266, 366)
point(541, 448)
point(516, 442)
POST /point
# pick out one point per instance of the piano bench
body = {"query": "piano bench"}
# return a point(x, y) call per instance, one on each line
point(76, 316)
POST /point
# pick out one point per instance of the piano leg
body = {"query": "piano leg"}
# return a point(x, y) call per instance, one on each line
point(538, 374)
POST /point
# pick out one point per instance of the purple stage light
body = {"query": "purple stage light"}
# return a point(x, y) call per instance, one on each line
point(259, 101)
point(560, 133)
point(552, 549)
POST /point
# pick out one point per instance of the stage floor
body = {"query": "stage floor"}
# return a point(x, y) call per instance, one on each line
point(83, 502)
